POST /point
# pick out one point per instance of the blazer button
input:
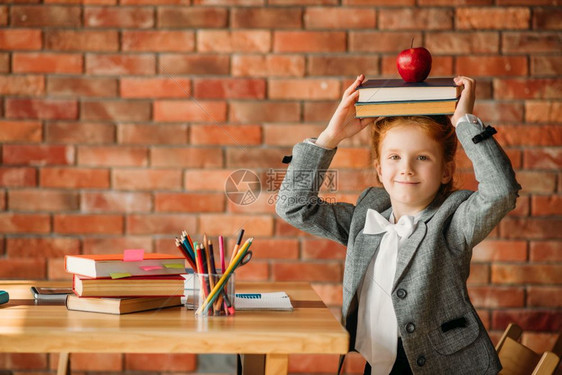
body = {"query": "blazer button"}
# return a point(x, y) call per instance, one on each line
point(401, 293)
point(421, 360)
point(410, 327)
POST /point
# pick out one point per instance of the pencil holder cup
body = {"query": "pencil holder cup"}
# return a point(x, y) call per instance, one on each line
point(214, 295)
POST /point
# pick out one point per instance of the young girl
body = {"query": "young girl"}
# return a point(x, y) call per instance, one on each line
point(409, 244)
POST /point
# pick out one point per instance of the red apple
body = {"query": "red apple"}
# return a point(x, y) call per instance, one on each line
point(414, 64)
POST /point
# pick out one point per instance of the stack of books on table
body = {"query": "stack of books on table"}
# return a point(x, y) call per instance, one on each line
point(117, 285)
point(395, 97)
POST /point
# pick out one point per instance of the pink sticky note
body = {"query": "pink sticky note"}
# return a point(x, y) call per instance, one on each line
point(151, 268)
point(133, 255)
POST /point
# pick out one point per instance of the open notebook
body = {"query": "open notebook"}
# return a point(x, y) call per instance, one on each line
point(263, 301)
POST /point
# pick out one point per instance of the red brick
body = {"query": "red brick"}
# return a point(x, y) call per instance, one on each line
point(546, 65)
point(161, 362)
point(74, 178)
point(349, 180)
point(112, 156)
point(530, 320)
point(529, 135)
point(254, 271)
point(479, 274)
point(20, 39)
point(526, 274)
point(257, 112)
point(147, 179)
point(188, 202)
point(158, 41)
point(23, 361)
point(116, 110)
point(88, 224)
point(46, 62)
point(322, 249)
point(462, 43)
point(263, 204)
point(339, 18)
point(547, 19)
point(530, 42)
point(115, 201)
point(321, 363)
point(321, 112)
point(229, 88)
point(25, 223)
point(389, 3)
point(170, 87)
point(522, 207)
point(309, 41)
point(41, 247)
point(544, 296)
point(454, 2)
point(37, 154)
point(255, 158)
point(492, 66)
point(343, 65)
point(497, 297)
point(282, 228)
point(198, 64)
point(415, 19)
point(17, 177)
point(42, 200)
point(121, 17)
point(546, 205)
point(81, 86)
point(154, 2)
point(274, 248)
point(225, 224)
point(536, 182)
point(290, 134)
point(521, 88)
point(542, 111)
point(310, 89)
point(352, 158)
point(389, 42)
point(223, 134)
point(22, 268)
point(192, 17)
point(160, 223)
point(492, 18)
point(3, 15)
point(44, 109)
point(45, 16)
point(20, 131)
point(206, 180)
point(300, 3)
point(22, 85)
point(97, 362)
point(233, 41)
point(196, 157)
point(112, 245)
point(79, 132)
point(189, 111)
point(120, 64)
point(539, 342)
point(527, 2)
point(81, 40)
point(5, 62)
point(544, 158)
point(500, 250)
point(499, 112)
point(152, 134)
point(532, 228)
point(307, 272)
point(266, 18)
point(546, 251)
point(268, 65)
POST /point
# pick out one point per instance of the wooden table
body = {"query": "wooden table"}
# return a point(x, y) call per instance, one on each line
point(266, 338)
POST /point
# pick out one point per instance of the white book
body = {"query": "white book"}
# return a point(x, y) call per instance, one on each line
point(263, 301)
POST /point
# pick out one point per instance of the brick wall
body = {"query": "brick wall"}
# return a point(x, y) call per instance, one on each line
point(121, 122)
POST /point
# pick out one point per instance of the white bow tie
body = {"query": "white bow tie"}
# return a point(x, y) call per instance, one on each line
point(375, 223)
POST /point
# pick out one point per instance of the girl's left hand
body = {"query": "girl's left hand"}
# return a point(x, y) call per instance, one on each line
point(466, 101)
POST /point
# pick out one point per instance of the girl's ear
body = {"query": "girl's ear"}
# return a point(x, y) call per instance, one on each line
point(378, 169)
point(448, 172)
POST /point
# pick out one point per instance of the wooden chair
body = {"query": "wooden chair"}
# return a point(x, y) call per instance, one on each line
point(517, 359)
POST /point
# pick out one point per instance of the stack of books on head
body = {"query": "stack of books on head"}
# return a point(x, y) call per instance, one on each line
point(124, 283)
point(395, 97)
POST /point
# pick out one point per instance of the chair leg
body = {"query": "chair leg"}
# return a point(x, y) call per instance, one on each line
point(547, 364)
point(64, 364)
point(513, 331)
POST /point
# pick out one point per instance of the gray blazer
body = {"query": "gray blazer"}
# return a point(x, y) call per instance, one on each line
point(440, 330)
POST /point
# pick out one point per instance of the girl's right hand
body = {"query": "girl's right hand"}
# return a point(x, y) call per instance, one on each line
point(343, 123)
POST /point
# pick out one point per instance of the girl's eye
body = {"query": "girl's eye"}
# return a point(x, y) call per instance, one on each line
point(422, 157)
point(394, 157)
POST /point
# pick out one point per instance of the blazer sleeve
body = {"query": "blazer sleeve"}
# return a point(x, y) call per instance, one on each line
point(298, 202)
point(497, 190)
